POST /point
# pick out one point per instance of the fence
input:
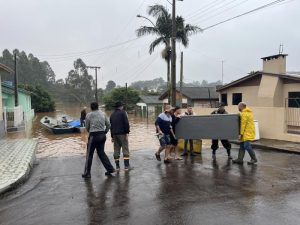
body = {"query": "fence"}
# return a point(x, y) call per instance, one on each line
point(13, 116)
point(292, 115)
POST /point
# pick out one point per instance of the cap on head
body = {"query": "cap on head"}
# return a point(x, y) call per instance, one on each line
point(168, 108)
point(118, 104)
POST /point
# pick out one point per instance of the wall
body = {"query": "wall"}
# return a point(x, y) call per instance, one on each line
point(2, 123)
point(271, 121)
point(249, 94)
point(275, 65)
point(290, 88)
point(1, 106)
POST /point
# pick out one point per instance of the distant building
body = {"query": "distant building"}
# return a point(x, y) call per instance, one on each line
point(24, 110)
point(150, 104)
point(272, 91)
point(4, 69)
point(194, 96)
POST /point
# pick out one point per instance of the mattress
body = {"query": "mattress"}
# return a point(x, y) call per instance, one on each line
point(208, 127)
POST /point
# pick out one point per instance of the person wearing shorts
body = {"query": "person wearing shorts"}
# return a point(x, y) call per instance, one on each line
point(164, 130)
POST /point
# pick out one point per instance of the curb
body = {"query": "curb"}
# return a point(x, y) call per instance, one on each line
point(24, 177)
point(269, 148)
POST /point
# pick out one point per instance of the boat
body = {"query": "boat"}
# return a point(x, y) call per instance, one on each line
point(58, 127)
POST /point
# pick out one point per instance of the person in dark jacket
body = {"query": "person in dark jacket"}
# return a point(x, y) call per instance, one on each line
point(215, 143)
point(119, 132)
point(97, 125)
point(83, 117)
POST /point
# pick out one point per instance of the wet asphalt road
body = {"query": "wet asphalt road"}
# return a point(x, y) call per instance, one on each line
point(187, 192)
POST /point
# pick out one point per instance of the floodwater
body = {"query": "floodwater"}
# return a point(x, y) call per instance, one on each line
point(142, 135)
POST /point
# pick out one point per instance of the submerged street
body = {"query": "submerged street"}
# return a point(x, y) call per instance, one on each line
point(197, 191)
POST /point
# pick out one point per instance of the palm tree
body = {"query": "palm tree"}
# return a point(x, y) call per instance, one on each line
point(163, 30)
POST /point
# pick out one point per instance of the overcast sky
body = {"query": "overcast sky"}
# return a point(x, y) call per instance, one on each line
point(60, 31)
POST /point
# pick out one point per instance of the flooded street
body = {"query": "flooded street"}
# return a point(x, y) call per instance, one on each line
point(183, 192)
point(142, 135)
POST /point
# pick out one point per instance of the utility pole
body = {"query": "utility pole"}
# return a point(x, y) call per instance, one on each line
point(126, 95)
point(16, 81)
point(173, 59)
point(96, 75)
point(181, 77)
point(222, 72)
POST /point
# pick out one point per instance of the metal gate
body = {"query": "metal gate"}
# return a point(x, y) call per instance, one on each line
point(292, 115)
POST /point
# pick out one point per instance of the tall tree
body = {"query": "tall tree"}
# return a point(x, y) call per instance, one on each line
point(110, 86)
point(81, 85)
point(163, 32)
point(120, 94)
point(30, 69)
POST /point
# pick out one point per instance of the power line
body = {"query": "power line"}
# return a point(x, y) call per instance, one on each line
point(225, 10)
point(210, 11)
point(246, 13)
point(74, 54)
point(204, 8)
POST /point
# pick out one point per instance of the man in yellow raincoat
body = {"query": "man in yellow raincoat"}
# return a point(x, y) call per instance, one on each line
point(247, 134)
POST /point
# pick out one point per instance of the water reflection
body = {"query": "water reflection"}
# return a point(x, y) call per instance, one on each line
point(142, 135)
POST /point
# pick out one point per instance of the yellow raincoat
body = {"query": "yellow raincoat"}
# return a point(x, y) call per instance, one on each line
point(247, 129)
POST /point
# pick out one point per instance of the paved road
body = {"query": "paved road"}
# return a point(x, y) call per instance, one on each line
point(187, 192)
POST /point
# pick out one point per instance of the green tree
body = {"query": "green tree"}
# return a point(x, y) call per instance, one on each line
point(41, 100)
point(80, 84)
point(110, 86)
point(163, 31)
point(30, 69)
point(119, 94)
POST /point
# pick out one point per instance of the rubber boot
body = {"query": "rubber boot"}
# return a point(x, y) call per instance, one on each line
point(117, 164)
point(240, 158)
point(126, 164)
point(229, 153)
point(253, 158)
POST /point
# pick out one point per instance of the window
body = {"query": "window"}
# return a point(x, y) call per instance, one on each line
point(224, 99)
point(294, 99)
point(236, 98)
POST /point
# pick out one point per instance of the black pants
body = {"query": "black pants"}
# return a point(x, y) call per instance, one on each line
point(225, 143)
point(82, 123)
point(97, 141)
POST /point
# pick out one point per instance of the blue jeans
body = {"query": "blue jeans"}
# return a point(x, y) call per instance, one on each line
point(246, 145)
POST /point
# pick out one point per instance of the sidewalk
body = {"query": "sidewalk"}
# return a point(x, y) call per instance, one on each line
point(276, 145)
point(16, 162)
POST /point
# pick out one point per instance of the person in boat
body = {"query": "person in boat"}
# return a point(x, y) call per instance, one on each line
point(64, 119)
point(119, 133)
point(83, 116)
point(97, 125)
point(215, 143)
point(46, 120)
